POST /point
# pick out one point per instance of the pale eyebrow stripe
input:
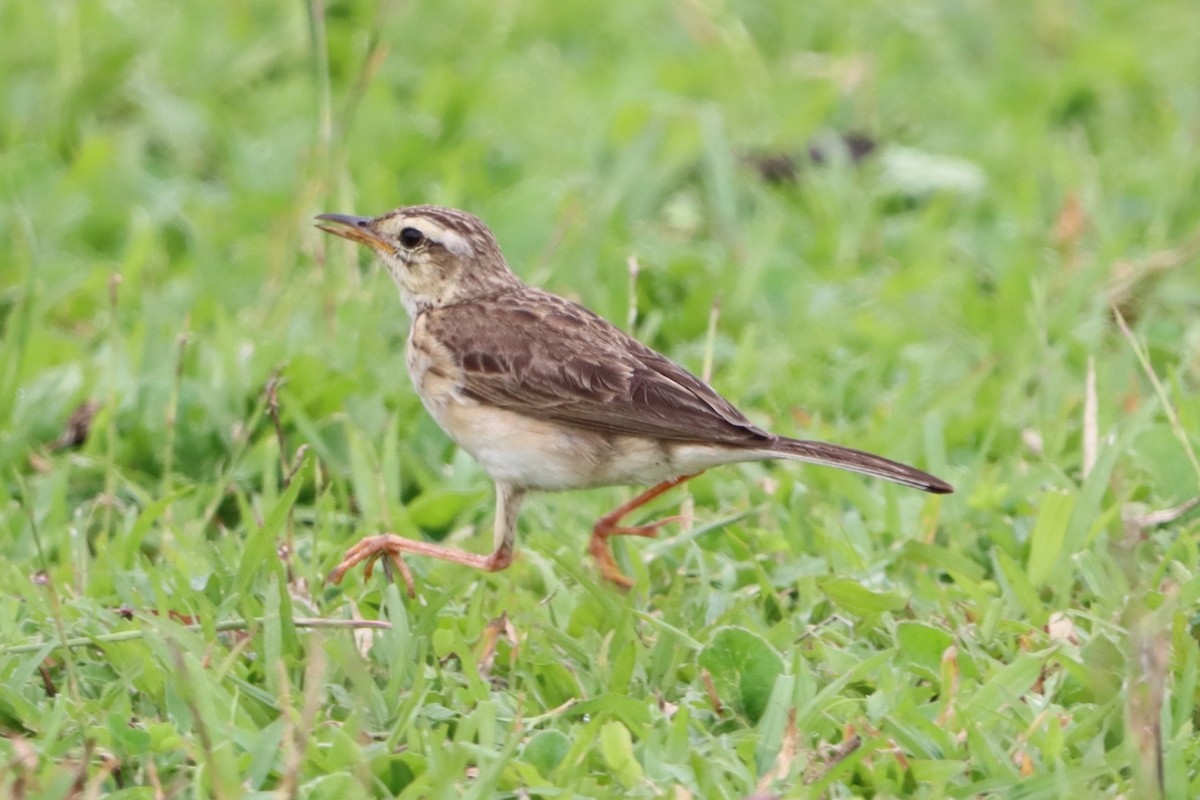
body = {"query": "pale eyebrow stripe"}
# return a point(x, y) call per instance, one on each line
point(447, 237)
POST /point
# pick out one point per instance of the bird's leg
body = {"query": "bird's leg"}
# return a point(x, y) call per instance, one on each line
point(371, 548)
point(608, 525)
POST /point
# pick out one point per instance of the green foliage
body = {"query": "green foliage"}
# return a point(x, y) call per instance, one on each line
point(809, 633)
point(744, 668)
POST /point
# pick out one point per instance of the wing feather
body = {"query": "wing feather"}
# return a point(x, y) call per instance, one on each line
point(542, 356)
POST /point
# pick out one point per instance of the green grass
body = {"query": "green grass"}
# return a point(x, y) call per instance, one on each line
point(813, 633)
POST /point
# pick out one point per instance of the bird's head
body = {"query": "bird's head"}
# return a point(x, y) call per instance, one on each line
point(437, 256)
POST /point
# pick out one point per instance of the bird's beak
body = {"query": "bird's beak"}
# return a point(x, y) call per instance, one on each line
point(356, 229)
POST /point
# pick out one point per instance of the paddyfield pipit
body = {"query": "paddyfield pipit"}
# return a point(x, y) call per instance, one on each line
point(546, 395)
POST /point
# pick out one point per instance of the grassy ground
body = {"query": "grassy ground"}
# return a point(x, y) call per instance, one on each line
point(809, 633)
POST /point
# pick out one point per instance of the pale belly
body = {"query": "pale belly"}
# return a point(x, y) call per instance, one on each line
point(539, 454)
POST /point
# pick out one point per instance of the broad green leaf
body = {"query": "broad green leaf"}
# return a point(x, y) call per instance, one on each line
point(1049, 533)
point(943, 558)
point(634, 713)
point(743, 667)
point(924, 646)
point(1006, 686)
point(437, 509)
point(852, 596)
point(546, 750)
point(556, 683)
point(936, 771)
point(129, 740)
point(616, 745)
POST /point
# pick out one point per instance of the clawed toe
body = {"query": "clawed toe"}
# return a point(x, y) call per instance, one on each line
point(602, 554)
point(601, 549)
point(608, 526)
point(648, 531)
point(370, 550)
point(621, 581)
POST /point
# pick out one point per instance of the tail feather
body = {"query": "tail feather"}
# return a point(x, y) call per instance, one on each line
point(834, 455)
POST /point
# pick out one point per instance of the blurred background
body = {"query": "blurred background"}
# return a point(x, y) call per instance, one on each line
point(916, 228)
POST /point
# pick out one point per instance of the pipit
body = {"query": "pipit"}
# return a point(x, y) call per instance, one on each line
point(546, 395)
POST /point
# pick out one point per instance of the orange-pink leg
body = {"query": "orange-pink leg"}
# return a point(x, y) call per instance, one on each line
point(390, 546)
point(608, 525)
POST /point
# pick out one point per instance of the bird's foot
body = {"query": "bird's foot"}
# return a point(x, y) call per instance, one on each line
point(371, 549)
point(601, 549)
point(390, 546)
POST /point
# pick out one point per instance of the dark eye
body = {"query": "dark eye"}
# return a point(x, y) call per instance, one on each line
point(411, 237)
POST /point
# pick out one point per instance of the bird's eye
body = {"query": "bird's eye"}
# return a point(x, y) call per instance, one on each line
point(411, 237)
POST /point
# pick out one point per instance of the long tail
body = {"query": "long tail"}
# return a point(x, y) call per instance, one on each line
point(835, 455)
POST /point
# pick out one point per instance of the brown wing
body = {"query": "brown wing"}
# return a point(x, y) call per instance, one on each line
point(540, 355)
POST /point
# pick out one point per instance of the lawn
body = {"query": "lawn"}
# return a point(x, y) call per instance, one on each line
point(203, 400)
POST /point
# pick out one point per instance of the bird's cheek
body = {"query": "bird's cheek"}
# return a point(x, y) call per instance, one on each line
point(398, 272)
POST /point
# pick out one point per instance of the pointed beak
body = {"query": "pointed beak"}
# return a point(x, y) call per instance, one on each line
point(356, 229)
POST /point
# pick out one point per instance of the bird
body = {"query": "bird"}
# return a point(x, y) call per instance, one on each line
point(549, 396)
